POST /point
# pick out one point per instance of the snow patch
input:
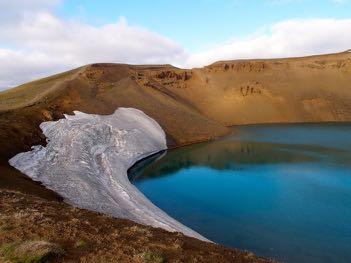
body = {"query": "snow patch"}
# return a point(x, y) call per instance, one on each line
point(86, 161)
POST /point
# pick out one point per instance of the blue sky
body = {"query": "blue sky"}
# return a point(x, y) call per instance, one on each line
point(199, 24)
point(42, 37)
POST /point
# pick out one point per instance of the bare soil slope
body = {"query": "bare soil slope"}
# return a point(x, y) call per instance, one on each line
point(308, 89)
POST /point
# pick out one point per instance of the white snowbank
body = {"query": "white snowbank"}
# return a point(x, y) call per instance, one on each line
point(86, 161)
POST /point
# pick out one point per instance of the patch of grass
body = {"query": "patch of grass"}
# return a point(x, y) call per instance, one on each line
point(7, 250)
point(80, 244)
point(153, 257)
point(5, 227)
point(31, 251)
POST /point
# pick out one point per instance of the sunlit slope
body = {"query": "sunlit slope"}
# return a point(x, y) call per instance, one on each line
point(30, 93)
point(309, 89)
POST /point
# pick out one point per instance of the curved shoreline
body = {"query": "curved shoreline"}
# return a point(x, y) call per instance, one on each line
point(86, 162)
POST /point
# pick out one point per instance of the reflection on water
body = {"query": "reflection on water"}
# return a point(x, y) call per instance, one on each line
point(229, 154)
point(279, 191)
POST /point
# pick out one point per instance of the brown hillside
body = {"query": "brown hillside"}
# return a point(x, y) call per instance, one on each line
point(191, 105)
point(309, 89)
point(98, 88)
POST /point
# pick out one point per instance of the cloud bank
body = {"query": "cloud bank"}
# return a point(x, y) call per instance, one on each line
point(34, 42)
point(284, 39)
point(37, 43)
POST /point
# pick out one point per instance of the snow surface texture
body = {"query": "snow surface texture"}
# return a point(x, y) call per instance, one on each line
point(86, 161)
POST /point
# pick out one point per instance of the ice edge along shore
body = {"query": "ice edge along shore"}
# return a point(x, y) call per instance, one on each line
point(86, 162)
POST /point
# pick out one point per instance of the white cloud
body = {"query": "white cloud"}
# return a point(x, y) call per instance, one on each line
point(284, 39)
point(80, 43)
point(12, 10)
point(36, 43)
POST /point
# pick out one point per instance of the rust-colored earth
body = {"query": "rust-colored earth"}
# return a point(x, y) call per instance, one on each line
point(191, 106)
point(91, 237)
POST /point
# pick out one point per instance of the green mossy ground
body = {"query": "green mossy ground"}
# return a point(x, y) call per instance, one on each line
point(31, 251)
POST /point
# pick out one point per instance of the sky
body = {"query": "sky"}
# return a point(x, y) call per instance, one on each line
point(43, 37)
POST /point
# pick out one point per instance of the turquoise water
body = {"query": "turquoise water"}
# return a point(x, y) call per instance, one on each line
point(279, 191)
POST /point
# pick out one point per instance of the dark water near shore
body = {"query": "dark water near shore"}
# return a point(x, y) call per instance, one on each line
point(279, 191)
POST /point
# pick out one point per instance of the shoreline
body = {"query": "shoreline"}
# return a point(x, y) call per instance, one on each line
point(184, 229)
point(100, 183)
point(291, 123)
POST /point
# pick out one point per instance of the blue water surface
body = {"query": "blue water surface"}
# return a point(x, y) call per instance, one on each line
point(280, 191)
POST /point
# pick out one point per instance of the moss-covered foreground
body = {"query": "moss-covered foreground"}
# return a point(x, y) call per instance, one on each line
point(76, 235)
point(31, 251)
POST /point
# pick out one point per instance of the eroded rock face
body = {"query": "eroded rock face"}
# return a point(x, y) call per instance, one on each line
point(86, 161)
